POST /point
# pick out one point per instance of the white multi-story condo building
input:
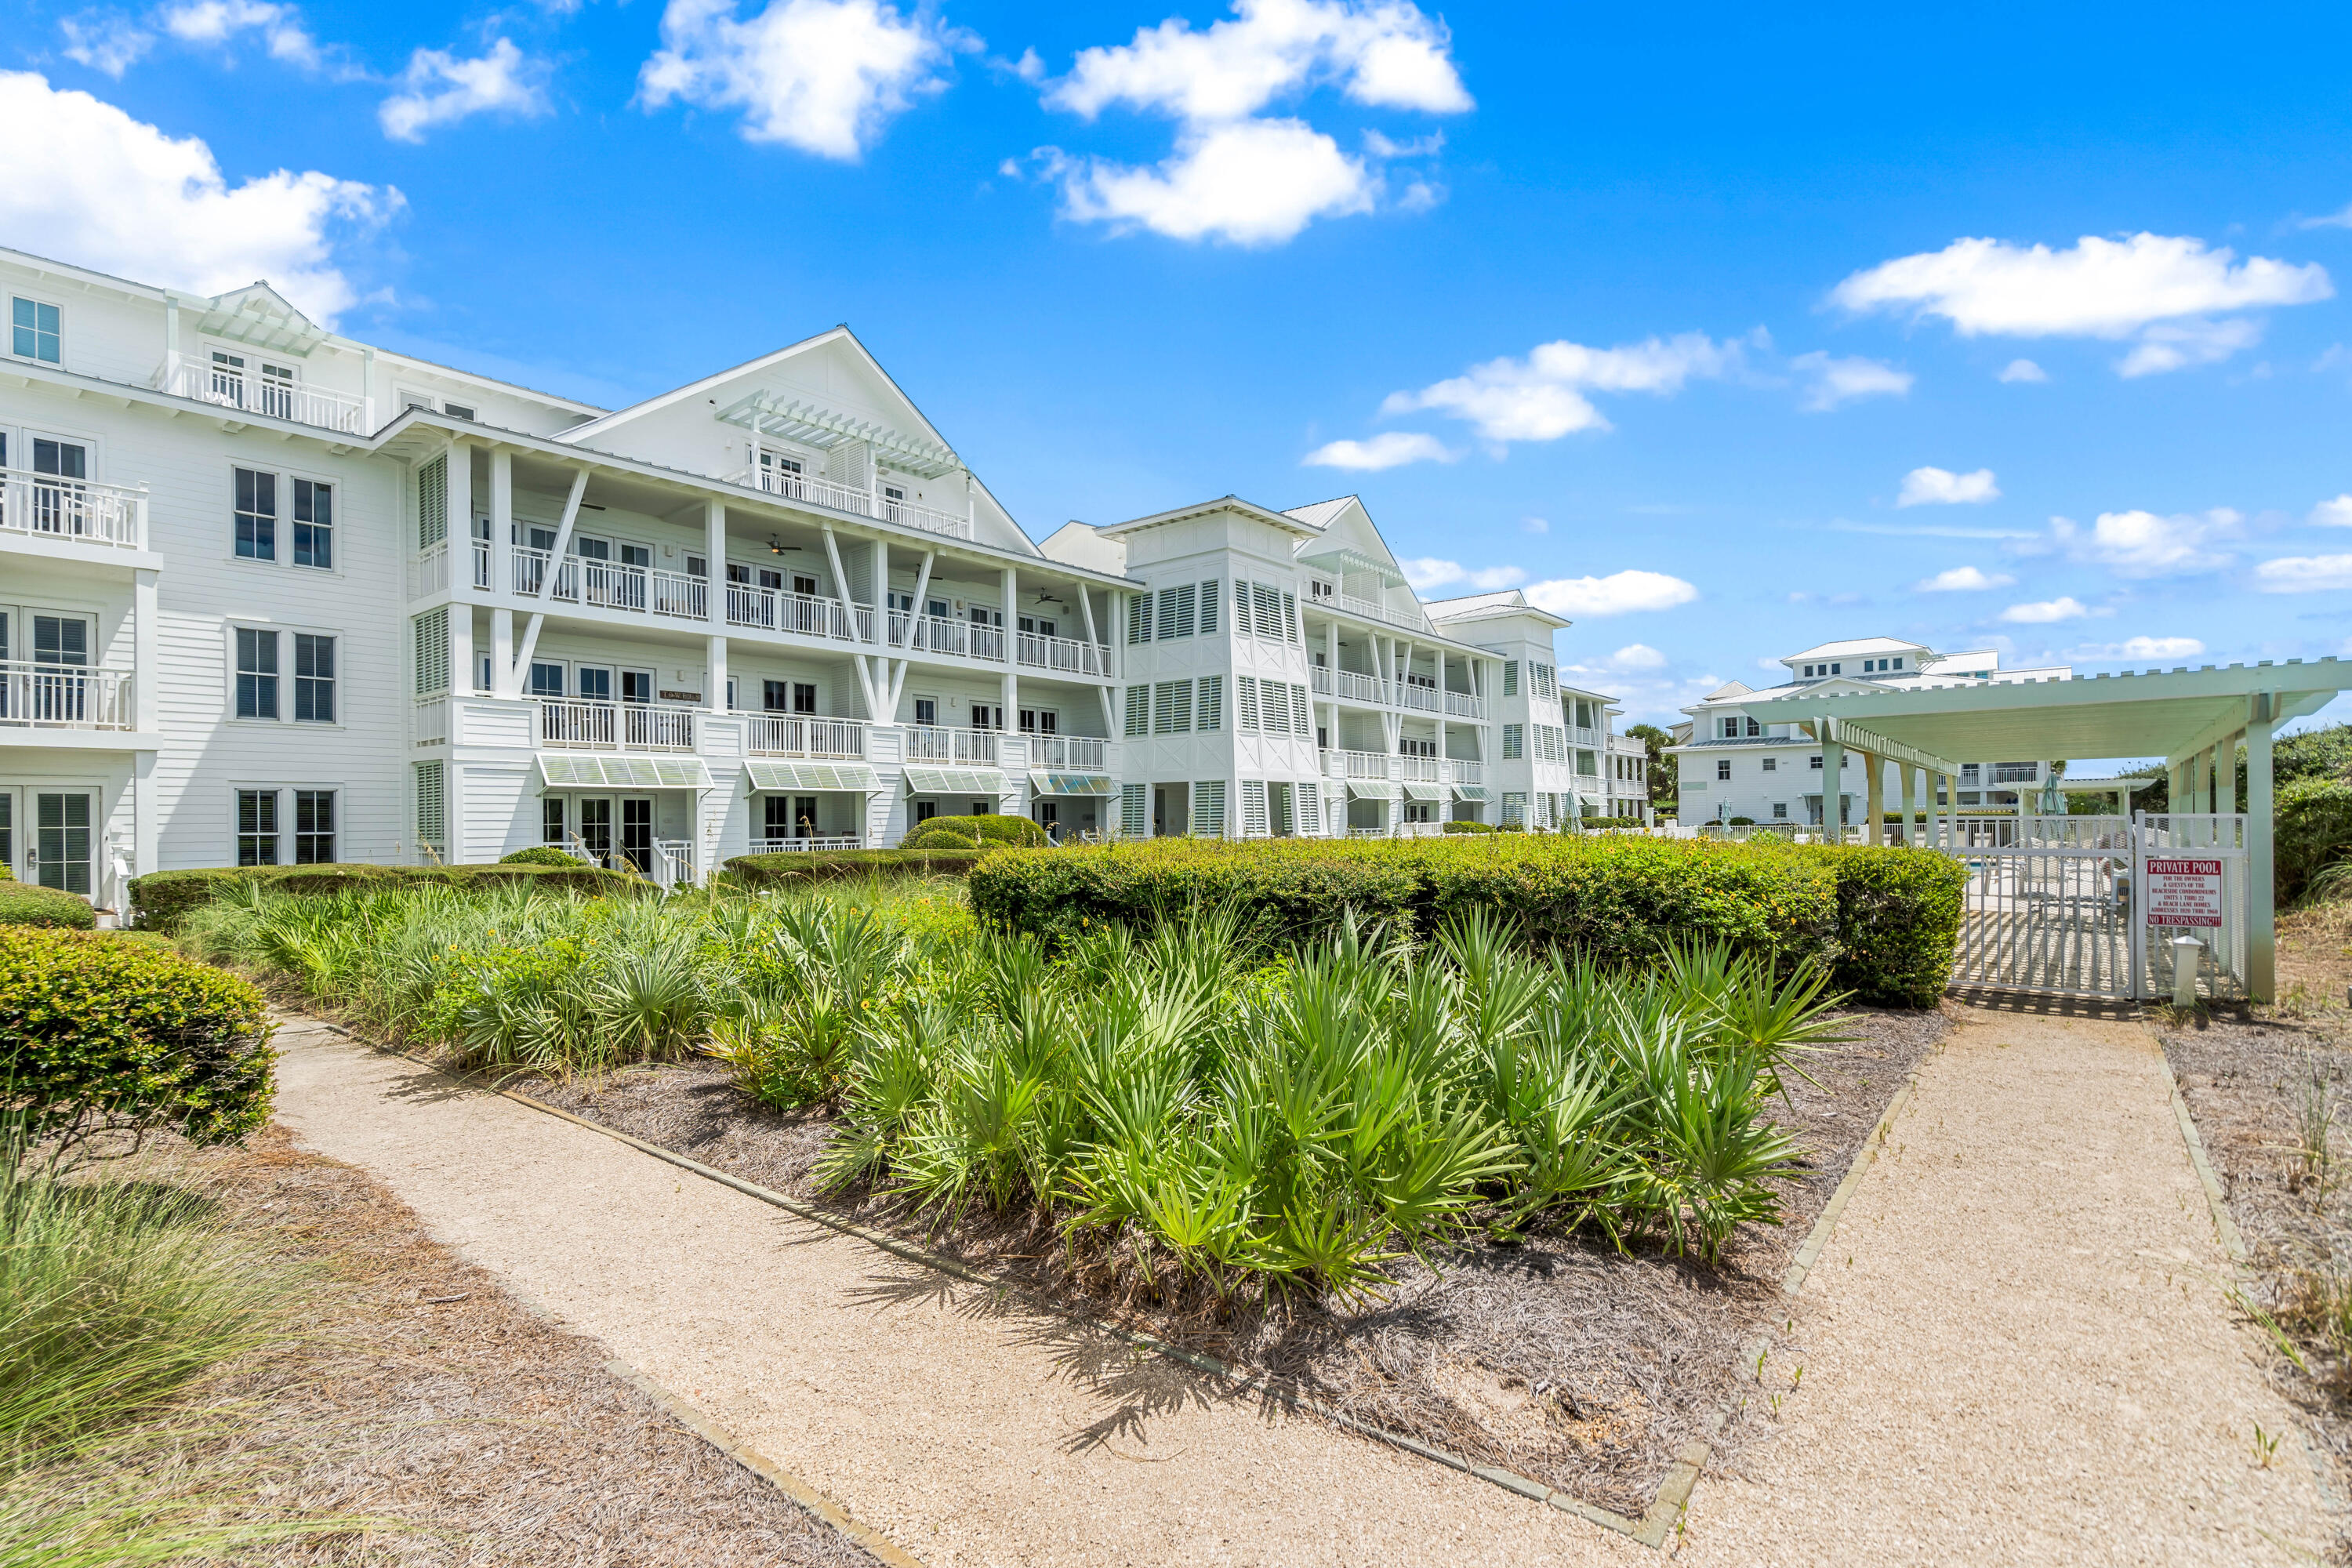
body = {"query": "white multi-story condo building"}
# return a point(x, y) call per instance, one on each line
point(1735, 761)
point(270, 596)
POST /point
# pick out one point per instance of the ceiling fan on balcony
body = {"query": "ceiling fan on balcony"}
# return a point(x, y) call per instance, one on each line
point(776, 547)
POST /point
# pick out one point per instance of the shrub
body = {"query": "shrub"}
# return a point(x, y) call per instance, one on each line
point(541, 855)
point(164, 899)
point(1741, 821)
point(1898, 919)
point(1469, 828)
point(1610, 899)
point(975, 833)
point(99, 1035)
point(2313, 827)
point(790, 866)
point(26, 904)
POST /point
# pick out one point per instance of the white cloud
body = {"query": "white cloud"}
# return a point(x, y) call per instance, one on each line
point(2337, 513)
point(107, 42)
point(2139, 649)
point(1235, 177)
point(2142, 545)
point(440, 89)
point(1620, 593)
point(2305, 574)
point(819, 75)
point(1253, 182)
point(1963, 580)
point(2100, 289)
point(1542, 397)
point(1384, 451)
point(1836, 381)
point(2047, 610)
point(1387, 55)
point(1427, 572)
point(1637, 656)
point(119, 196)
point(2176, 345)
point(2022, 370)
point(220, 21)
point(1534, 525)
point(1941, 487)
point(2330, 220)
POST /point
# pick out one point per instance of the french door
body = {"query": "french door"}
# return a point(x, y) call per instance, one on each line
point(53, 843)
point(614, 828)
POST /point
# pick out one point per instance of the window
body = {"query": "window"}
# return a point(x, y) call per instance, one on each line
point(1208, 707)
point(1515, 806)
point(1514, 741)
point(1540, 679)
point(1731, 729)
point(1771, 765)
point(1817, 761)
point(1176, 612)
point(457, 411)
point(1172, 708)
point(34, 330)
point(803, 697)
point(257, 679)
point(1265, 609)
point(1132, 809)
point(983, 717)
point(1779, 811)
point(776, 696)
point(1209, 618)
point(1255, 819)
point(314, 679)
point(432, 827)
point(1138, 710)
point(432, 632)
point(1302, 715)
point(256, 515)
point(257, 827)
point(1246, 703)
point(314, 827)
point(926, 711)
point(1723, 767)
point(1209, 809)
point(550, 819)
point(314, 524)
point(546, 679)
point(1138, 618)
point(1290, 618)
point(1510, 678)
point(925, 810)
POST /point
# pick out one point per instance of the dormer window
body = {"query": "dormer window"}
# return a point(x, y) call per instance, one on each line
point(1317, 589)
point(1898, 661)
point(34, 330)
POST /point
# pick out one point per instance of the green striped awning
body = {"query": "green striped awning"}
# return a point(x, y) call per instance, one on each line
point(1372, 789)
point(1424, 791)
point(1045, 783)
point(590, 770)
point(955, 781)
point(774, 775)
point(1470, 792)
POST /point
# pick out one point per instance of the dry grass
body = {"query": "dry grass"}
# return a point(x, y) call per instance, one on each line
point(425, 1396)
point(1555, 1357)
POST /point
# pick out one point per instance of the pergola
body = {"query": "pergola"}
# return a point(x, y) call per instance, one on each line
point(2194, 718)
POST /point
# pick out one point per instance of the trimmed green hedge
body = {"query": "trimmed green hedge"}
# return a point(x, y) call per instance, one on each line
point(1469, 828)
point(758, 870)
point(1889, 936)
point(542, 855)
point(28, 904)
point(163, 899)
point(98, 1033)
point(975, 833)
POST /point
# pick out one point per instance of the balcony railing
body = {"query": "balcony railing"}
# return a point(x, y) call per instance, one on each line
point(805, 615)
point(1355, 686)
point(615, 726)
point(1424, 698)
point(605, 584)
point(2016, 773)
point(1462, 705)
point(1069, 753)
point(51, 506)
point(1580, 735)
point(1419, 769)
point(433, 721)
point(51, 697)
point(1371, 611)
point(799, 735)
point(227, 387)
point(1067, 655)
point(842, 497)
point(814, 844)
point(1462, 772)
point(1355, 765)
point(972, 747)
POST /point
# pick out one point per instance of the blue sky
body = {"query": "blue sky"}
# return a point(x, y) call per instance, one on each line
point(1724, 332)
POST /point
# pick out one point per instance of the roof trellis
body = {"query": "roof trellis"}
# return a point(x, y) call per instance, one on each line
point(259, 317)
point(1341, 558)
point(812, 425)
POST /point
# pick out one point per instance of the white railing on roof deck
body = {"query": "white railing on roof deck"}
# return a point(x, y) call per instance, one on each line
point(56, 697)
point(51, 506)
point(615, 726)
point(1069, 753)
point(865, 503)
point(928, 743)
point(1462, 705)
point(1367, 609)
point(225, 386)
point(801, 736)
point(1067, 655)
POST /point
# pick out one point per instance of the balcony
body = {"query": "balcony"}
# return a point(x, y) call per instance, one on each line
point(1419, 769)
point(1462, 705)
point(268, 396)
point(2016, 773)
point(969, 748)
point(1350, 685)
point(50, 696)
point(800, 735)
point(844, 497)
point(1064, 656)
point(1421, 698)
point(1370, 611)
point(605, 584)
point(615, 726)
point(804, 615)
point(1069, 753)
point(1462, 772)
point(1355, 765)
point(52, 506)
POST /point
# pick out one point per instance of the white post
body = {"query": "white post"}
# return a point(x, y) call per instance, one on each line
point(714, 525)
point(459, 473)
point(501, 518)
point(1832, 792)
point(170, 344)
point(461, 649)
point(715, 670)
point(1874, 797)
point(367, 387)
point(2262, 937)
point(502, 659)
point(1903, 772)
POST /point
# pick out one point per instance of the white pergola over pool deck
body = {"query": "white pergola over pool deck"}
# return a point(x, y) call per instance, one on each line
point(2193, 719)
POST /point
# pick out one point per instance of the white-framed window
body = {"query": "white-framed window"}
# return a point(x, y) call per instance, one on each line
point(263, 501)
point(1510, 678)
point(281, 824)
point(1246, 703)
point(257, 827)
point(1771, 765)
point(35, 330)
point(1208, 707)
point(458, 411)
point(926, 711)
point(1779, 811)
point(1172, 708)
point(257, 679)
point(263, 659)
point(1209, 809)
point(1139, 711)
point(1514, 743)
point(242, 379)
point(1134, 809)
point(314, 679)
point(1723, 767)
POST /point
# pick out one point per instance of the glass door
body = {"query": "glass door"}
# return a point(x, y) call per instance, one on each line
point(596, 828)
point(637, 832)
point(58, 847)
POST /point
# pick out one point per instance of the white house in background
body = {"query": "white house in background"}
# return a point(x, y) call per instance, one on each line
point(269, 594)
point(1737, 761)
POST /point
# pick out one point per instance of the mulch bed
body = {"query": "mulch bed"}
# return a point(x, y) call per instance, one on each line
point(2248, 1073)
point(1559, 1357)
point(419, 1392)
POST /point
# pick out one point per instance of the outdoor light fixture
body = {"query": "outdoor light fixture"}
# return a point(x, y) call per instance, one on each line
point(776, 548)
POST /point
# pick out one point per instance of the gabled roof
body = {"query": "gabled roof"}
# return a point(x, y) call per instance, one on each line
point(1508, 603)
point(840, 334)
point(1229, 502)
point(261, 316)
point(1319, 514)
point(1729, 689)
point(1858, 647)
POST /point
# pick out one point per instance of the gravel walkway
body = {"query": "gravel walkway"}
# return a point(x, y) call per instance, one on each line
point(2016, 1350)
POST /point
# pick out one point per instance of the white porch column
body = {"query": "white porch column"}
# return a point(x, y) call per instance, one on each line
point(459, 473)
point(714, 661)
point(1948, 836)
point(1874, 797)
point(501, 526)
point(504, 682)
point(2225, 772)
point(2262, 935)
point(1903, 772)
point(714, 533)
point(146, 821)
point(1833, 791)
point(461, 649)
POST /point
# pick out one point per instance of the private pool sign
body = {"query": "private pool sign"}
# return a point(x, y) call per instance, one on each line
point(2183, 892)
